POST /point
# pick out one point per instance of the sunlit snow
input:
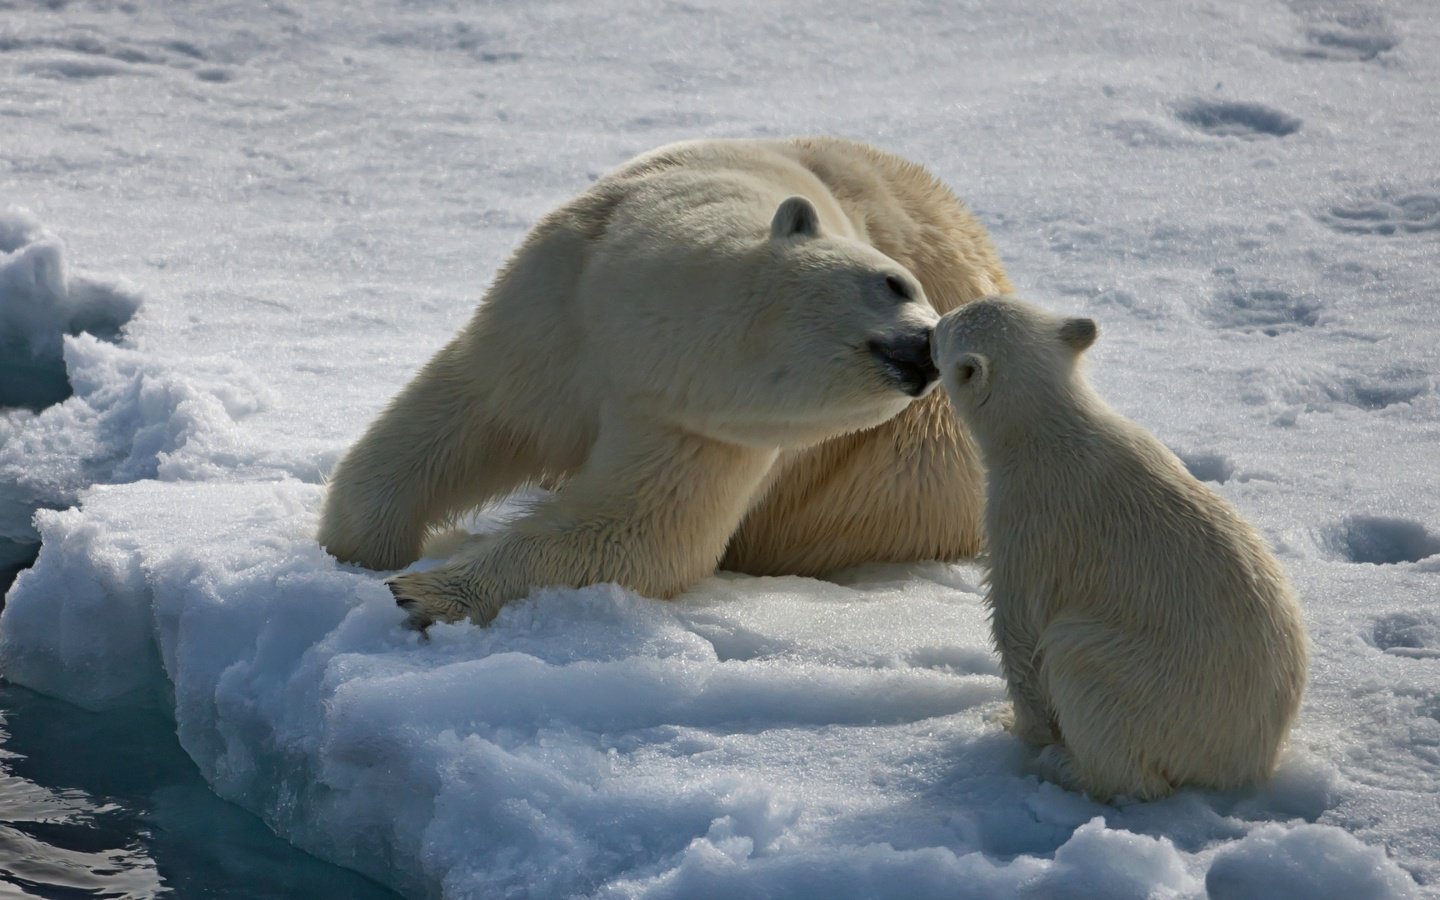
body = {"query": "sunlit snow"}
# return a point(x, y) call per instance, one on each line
point(230, 232)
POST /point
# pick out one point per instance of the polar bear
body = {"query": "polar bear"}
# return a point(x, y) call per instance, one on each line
point(718, 354)
point(1146, 633)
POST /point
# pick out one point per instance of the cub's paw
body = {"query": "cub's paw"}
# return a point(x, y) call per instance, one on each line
point(429, 597)
point(1057, 765)
point(1025, 727)
point(1003, 716)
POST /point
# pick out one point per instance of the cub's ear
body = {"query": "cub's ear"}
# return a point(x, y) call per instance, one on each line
point(1079, 334)
point(970, 369)
point(796, 217)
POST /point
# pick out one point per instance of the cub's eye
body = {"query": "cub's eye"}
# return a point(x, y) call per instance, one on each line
point(898, 287)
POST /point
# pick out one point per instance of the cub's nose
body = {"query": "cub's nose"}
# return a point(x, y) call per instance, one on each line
point(905, 359)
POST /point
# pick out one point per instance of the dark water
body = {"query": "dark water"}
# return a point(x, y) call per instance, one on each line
point(15, 557)
point(108, 805)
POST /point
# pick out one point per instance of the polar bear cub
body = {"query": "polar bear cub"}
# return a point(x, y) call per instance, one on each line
point(1148, 637)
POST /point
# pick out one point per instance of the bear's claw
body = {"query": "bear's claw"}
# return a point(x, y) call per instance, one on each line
point(416, 619)
point(425, 601)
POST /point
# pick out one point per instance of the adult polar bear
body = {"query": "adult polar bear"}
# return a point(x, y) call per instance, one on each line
point(713, 351)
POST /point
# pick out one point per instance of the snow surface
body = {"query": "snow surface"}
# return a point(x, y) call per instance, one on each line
point(310, 197)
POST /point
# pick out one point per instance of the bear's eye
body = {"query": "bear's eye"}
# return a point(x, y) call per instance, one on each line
point(898, 287)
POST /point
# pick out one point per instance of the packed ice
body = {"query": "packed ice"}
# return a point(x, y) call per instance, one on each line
point(309, 200)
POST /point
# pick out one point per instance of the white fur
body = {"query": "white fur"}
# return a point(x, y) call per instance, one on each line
point(682, 350)
point(1146, 632)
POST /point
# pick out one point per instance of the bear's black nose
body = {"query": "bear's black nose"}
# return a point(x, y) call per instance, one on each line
point(905, 359)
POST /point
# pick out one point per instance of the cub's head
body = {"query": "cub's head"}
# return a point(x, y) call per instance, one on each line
point(840, 334)
point(1004, 362)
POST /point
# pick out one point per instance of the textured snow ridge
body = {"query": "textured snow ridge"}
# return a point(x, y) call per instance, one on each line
point(80, 409)
point(758, 736)
point(41, 306)
point(40, 303)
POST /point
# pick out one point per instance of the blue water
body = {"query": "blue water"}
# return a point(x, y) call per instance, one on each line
point(108, 805)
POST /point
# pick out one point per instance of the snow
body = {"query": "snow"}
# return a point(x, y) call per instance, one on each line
point(310, 198)
point(1307, 861)
point(42, 303)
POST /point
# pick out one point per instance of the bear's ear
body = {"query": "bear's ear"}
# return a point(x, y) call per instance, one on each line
point(972, 369)
point(1079, 334)
point(796, 217)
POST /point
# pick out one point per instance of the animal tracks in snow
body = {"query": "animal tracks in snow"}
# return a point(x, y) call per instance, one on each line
point(1381, 541)
point(1383, 214)
point(1357, 42)
point(1232, 118)
point(1339, 33)
point(1336, 31)
point(1380, 390)
point(1270, 310)
point(1207, 465)
point(83, 56)
point(1408, 634)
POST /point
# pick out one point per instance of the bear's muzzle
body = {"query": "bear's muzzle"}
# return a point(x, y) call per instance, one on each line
point(905, 360)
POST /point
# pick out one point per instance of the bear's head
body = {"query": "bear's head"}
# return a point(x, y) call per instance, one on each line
point(835, 336)
point(1008, 365)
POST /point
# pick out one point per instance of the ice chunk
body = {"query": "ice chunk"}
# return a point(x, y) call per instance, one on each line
point(40, 303)
point(1318, 862)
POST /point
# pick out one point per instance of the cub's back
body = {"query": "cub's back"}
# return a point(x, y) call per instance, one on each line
point(1130, 533)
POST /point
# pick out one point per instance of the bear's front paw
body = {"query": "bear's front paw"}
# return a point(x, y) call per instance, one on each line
point(428, 597)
